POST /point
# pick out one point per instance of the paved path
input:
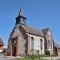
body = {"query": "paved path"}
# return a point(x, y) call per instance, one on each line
point(12, 58)
point(52, 58)
point(6, 58)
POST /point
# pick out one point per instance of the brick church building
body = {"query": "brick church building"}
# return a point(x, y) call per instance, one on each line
point(23, 39)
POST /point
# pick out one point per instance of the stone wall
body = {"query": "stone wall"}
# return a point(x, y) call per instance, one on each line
point(37, 43)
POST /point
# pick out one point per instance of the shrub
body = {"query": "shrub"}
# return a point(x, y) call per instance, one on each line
point(7, 54)
point(47, 52)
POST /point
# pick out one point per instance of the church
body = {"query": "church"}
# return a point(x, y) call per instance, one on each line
point(25, 40)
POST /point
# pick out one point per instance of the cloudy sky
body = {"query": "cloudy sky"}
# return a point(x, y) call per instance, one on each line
point(39, 13)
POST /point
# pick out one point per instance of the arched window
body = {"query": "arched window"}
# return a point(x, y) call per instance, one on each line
point(32, 43)
point(48, 44)
point(41, 43)
point(51, 44)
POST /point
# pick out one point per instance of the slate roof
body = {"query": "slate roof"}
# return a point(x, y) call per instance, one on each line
point(44, 31)
point(32, 30)
point(56, 45)
point(1, 42)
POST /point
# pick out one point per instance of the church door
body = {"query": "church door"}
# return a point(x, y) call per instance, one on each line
point(14, 42)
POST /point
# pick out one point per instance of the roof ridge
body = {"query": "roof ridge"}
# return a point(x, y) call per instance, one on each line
point(45, 28)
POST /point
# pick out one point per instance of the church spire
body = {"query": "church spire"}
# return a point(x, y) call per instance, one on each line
point(21, 10)
point(21, 19)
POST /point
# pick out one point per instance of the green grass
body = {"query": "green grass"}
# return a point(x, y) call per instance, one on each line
point(36, 57)
point(30, 59)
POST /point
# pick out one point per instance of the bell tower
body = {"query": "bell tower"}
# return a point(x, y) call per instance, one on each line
point(20, 19)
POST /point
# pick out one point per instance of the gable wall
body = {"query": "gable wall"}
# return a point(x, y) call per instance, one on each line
point(24, 41)
point(50, 38)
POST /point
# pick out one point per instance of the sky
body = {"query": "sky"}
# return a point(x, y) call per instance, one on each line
point(39, 13)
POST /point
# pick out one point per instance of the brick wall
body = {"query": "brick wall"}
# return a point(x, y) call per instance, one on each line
point(1, 47)
point(58, 51)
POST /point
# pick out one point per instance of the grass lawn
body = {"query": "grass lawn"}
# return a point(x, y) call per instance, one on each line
point(30, 59)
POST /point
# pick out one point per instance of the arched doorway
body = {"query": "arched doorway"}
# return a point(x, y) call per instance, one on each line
point(14, 43)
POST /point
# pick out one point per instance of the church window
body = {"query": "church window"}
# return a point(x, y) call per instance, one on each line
point(17, 21)
point(49, 44)
point(32, 43)
point(41, 43)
